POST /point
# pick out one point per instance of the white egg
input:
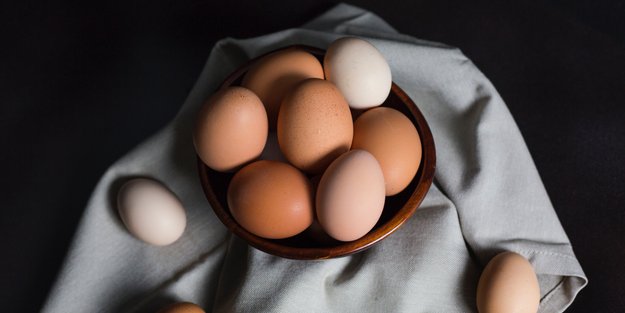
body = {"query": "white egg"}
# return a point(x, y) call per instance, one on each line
point(360, 72)
point(151, 212)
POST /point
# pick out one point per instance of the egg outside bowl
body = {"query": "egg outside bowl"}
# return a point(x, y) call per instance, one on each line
point(397, 209)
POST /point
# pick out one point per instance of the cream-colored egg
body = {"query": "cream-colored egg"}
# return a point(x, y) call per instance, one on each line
point(350, 197)
point(508, 284)
point(151, 212)
point(359, 70)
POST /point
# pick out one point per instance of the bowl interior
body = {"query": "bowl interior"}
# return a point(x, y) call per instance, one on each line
point(308, 245)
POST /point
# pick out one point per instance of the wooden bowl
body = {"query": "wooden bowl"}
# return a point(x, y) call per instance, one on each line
point(397, 209)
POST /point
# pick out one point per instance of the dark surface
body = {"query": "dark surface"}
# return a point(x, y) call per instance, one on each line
point(80, 86)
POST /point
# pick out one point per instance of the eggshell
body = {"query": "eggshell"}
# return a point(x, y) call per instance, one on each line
point(508, 284)
point(394, 141)
point(359, 70)
point(314, 125)
point(277, 73)
point(182, 307)
point(151, 212)
point(350, 196)
point(271, 199)
point(231, 129)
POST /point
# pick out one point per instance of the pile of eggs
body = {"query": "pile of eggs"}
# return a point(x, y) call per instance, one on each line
point(310, 144)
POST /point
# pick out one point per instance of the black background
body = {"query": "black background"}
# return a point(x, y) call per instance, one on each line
point(82, 83)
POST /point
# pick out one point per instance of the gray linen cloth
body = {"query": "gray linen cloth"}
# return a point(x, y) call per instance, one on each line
point(487, 197)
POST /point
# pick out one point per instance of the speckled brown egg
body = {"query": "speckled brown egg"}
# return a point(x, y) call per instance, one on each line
point(271, 199)
point(182, 307)
point(277, 73)
point(314, 125)
point(508, 284)
point(394, 141)
point(231, 129)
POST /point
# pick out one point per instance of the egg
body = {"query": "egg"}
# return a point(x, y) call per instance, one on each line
point(394, 141)
point(151, 212)
point(182, 307)
point(277, 73)
point(359, 70)
point(314, 125)
point(271, 199)
point(508, 284)
point(350, 197)
point(231, 129)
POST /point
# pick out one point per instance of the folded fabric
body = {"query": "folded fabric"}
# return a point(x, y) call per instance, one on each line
point(487, 197)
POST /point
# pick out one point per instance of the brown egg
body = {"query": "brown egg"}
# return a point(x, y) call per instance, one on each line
point(508, 284)
point(350, 196)
point(277, 73)
point(231, 129)
point(271, 199)
point(394, 141)
point(314, 125)
point(182, 307)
